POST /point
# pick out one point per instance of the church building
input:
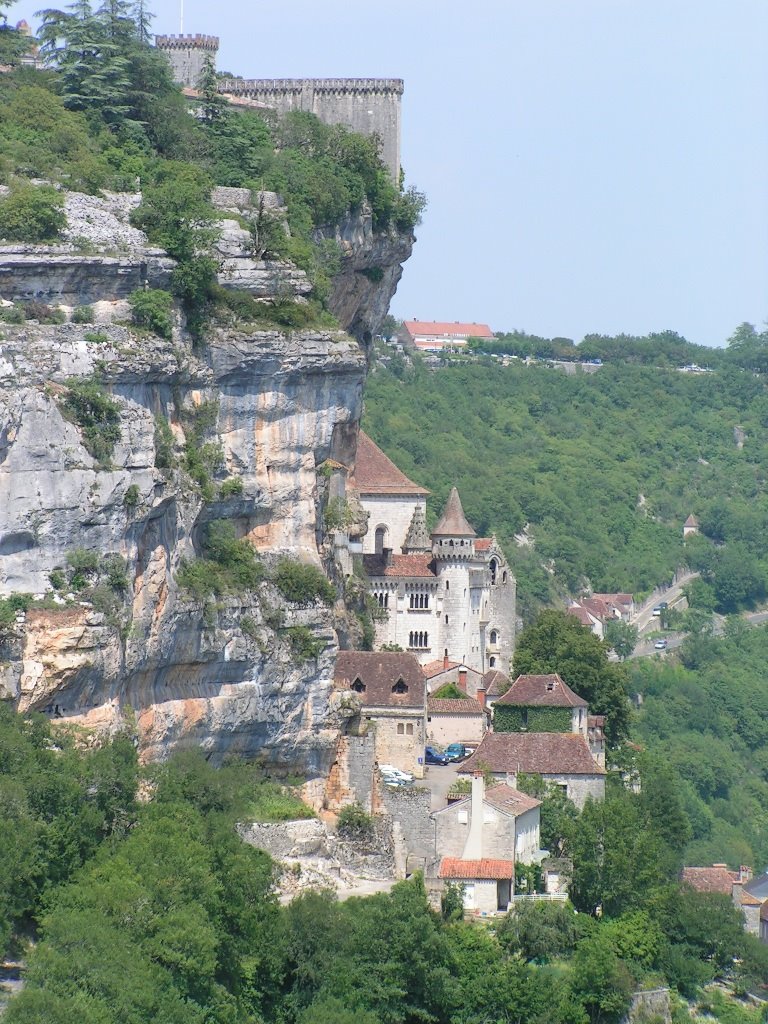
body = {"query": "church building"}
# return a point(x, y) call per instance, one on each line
point(448, 594)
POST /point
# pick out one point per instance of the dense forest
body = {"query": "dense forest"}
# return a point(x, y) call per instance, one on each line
point(156, 910)
point(593, 473)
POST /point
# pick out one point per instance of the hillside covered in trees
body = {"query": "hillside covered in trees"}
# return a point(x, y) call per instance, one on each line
point(595, 474)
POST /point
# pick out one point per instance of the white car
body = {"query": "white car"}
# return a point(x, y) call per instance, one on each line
point(660, 645)
point(389, 771)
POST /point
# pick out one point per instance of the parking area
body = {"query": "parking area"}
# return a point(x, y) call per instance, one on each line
point(438, 779)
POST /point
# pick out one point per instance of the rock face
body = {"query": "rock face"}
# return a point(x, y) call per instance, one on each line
point(272, 407)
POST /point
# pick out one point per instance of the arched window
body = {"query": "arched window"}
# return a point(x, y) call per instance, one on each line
point(381, 539)
point(358, 686)
point(494, 566)
point(504, 576)
point(494, 638)
point(492, 662)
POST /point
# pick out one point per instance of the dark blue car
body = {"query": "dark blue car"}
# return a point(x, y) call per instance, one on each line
point(432, 756)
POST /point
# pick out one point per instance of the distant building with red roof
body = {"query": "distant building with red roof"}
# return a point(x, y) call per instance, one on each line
point(434, 335)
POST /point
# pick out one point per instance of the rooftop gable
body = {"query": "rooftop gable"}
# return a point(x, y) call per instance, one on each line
point(376, 473)
point(540, 753)
point(376, 676)
point(542, 691)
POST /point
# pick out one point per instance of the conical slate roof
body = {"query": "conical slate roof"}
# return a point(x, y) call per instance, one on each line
point(453, 522)
point(417, 538)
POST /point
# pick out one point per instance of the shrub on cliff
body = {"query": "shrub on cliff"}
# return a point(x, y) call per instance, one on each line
point(32, 213)
point(87, 404)
point(302, 583)
point(151, 308)
point(228, 564)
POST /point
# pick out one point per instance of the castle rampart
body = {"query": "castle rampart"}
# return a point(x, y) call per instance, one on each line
point(370, 106)
point(187, 55)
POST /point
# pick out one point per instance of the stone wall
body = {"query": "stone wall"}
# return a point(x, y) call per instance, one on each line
point(409, 810)
point(649, 1005)
point(395, 513)
point(369, 106)
point(404, 750)
point(188, 55)
point(443, 729)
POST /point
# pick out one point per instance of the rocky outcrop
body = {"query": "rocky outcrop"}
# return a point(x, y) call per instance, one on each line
point(275, 406)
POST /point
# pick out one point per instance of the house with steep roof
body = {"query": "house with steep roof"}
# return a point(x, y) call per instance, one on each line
point(496, 684)
point(444, 594)
point(435, 336)
point(389, 689)
point(479, 838)
point(558, 757)
point(690, 526)
point(540, 703)
point(751, 897)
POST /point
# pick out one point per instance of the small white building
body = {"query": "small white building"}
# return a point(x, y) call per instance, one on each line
point(434, 336)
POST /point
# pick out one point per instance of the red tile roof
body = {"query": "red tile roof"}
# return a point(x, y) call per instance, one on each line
point(437, 328)
point(691, 521)
point(454, 706)
point(541, 753)
point(507, 798)
point(376, 473)
point(542, 691)
point(714, 879)
point(485, 869)
point(453, 522)
point(435, 668)
point(621, 599)
point(495, 682)
point(403, 566)
point(581, 614)
point(379, 671)
point(483, 543)
point(746, 898)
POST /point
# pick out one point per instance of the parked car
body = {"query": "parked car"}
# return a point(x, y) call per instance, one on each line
point(456, 752)
point(389, 771)
point(432, 756)
point(661, 645)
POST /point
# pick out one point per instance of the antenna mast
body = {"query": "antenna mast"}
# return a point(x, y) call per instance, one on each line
point(181, 17)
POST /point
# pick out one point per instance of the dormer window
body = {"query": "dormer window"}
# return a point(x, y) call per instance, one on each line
point(550, 685)
point(358, 686)
point(400, 687)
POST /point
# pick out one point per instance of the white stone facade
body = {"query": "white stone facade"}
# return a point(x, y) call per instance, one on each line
point(393, 514)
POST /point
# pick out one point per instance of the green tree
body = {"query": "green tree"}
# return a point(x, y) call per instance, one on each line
point(557, 642)
point(32, 213)
point(601, 982)
point(621, 636)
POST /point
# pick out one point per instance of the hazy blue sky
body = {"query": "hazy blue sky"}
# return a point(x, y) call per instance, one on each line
point(591, 165)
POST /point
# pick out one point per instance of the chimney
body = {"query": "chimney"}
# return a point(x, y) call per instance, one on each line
point(473, 848)
point(720, 866)
point(745, 873)
point(480, 695)
point(446, 662)
point(463, 680)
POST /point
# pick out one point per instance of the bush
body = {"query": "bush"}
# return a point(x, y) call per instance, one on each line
point(115, 569)
point(43, 313)
point(302, 583)
point(98, 416)
point(355, 823)
point(151, 308)
point(83, 315)
point(228, 564)
point(164, 444)
point(304, 646)
point(96, 337)
point(12, 314)
point(32, 213)
point(231, 488)
point(83, 560)
point(131, 496)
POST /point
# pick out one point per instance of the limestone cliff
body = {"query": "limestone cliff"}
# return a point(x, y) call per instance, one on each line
point(277, 406)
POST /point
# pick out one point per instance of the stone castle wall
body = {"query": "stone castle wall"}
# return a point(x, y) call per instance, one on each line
point(187, 55)
point(366, 105)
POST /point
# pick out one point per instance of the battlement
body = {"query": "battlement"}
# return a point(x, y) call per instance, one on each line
point(264, 86)
point(196, 42)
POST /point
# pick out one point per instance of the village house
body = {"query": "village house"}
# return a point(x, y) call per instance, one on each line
point(597, 611)
point(444, 672)
point(496, 685)
point(452, 720)
point(562, 758)
point(478, 840)
point(445, 595)
point(390, 690)
point(690, 527)
point(748, 894)
point(540, 703)
point(434, 336)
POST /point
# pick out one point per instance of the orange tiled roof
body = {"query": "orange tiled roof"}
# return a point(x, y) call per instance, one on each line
point(713, 879)
point(454, 706)
point(495, 681)
point(437, 328)
point(540, 753)
point(485, 868)
point(376, 473)
point(483, 543)
point(507, 798)
point(379, 672)
point(435, 668)
point(401, 565)
point(542, 691)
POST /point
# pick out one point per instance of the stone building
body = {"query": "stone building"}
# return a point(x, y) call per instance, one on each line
point(390, 691)
point(480, 838)
point(446, 594)
point(443, 672)
point(455, 721)
point(690, 526)
point(540, 703)
point(561, 758)
point(188, 55)
point(434, 336)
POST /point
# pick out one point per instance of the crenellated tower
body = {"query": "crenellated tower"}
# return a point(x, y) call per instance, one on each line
point(188, 55)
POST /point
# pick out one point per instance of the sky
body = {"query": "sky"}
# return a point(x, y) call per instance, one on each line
point(591, 166)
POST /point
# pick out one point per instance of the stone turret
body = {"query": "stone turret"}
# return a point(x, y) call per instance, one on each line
point(453, 537)
point(417, 539)
point(188, 55)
